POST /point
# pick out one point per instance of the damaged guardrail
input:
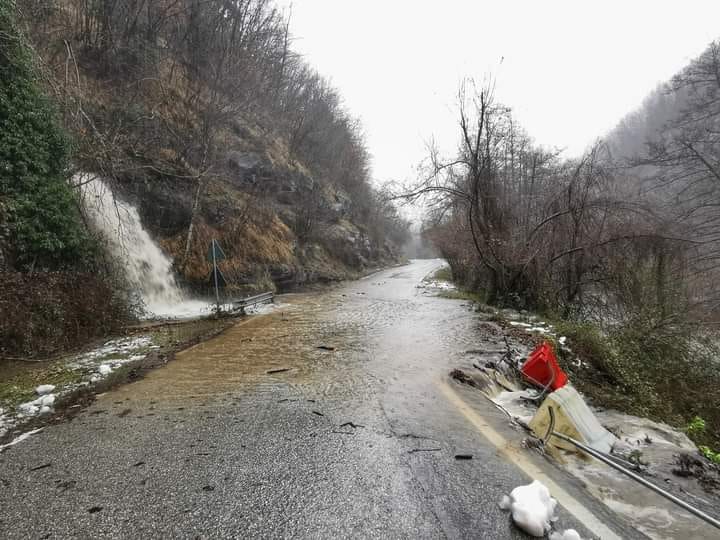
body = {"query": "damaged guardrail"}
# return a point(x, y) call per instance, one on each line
point(262, 298)
point(610, 462)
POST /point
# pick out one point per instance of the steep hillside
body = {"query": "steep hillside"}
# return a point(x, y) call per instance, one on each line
point(201, 115)
point(198, 114)
point(56, 287)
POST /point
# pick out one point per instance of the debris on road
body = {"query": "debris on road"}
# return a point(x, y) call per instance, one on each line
point(413, 450)
point(326, 348)
point(532, 507)
point(572, 418)
point(277, 370)
point(464, 378)
point(542, 368)
point(352, 425)
point(318, 413)
point(463, 456)
point(653, 449)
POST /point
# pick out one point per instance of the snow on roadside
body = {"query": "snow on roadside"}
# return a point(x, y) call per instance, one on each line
point(6, 421)
point(101, 362)
point(539, 327)
point(44, 389)
point(533, 511)
point(19, 439)
point(437, 284)
point(91, 367)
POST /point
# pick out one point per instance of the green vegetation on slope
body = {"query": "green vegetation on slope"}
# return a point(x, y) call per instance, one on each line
point(38, 208)
point(57, 290)
point(666, 374)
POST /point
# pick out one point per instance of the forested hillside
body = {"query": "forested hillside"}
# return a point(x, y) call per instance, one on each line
point(57, 287)
point(199, 114)
point(620, 246)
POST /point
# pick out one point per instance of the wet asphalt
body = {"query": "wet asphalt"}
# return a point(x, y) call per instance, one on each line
point(355, 442)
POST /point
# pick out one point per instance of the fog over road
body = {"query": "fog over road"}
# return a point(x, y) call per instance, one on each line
point(359, 441)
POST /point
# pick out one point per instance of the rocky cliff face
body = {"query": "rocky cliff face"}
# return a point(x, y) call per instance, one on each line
point(278, 225)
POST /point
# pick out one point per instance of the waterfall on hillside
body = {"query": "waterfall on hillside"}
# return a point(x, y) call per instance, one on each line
point(148, 269)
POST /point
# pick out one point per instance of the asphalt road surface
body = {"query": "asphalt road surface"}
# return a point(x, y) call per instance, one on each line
point(355, 442)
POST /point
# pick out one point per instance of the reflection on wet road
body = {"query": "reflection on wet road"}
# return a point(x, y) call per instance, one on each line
point(353, 438)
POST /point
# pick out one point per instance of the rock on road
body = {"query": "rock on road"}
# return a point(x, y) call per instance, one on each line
point(355, 442)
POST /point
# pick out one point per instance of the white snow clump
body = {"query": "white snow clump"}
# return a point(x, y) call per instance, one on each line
point(532, 508)
point(44, 389)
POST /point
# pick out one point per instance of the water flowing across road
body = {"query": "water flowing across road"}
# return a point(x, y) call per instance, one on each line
point(331, 417)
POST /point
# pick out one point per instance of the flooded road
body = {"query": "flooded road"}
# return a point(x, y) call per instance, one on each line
point(331, 417)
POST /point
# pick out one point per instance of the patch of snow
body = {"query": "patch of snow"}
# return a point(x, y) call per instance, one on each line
point(20, 439)
point(46, 400)
point(569, 534)
point(540, 329)
point(516, 404)
point(562, 340)
point(41, 405)
point(44, 389)
point(105, 369)
point(100, 362)
point(6, 422)
point(522, 324)
point(532, 507)
point(437, 284)
point(110, 349)
point(28, 409)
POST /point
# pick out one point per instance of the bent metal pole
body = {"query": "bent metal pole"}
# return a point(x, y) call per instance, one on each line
point(602, 457)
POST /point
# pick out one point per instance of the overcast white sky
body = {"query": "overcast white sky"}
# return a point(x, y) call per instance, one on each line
point(570, 70)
